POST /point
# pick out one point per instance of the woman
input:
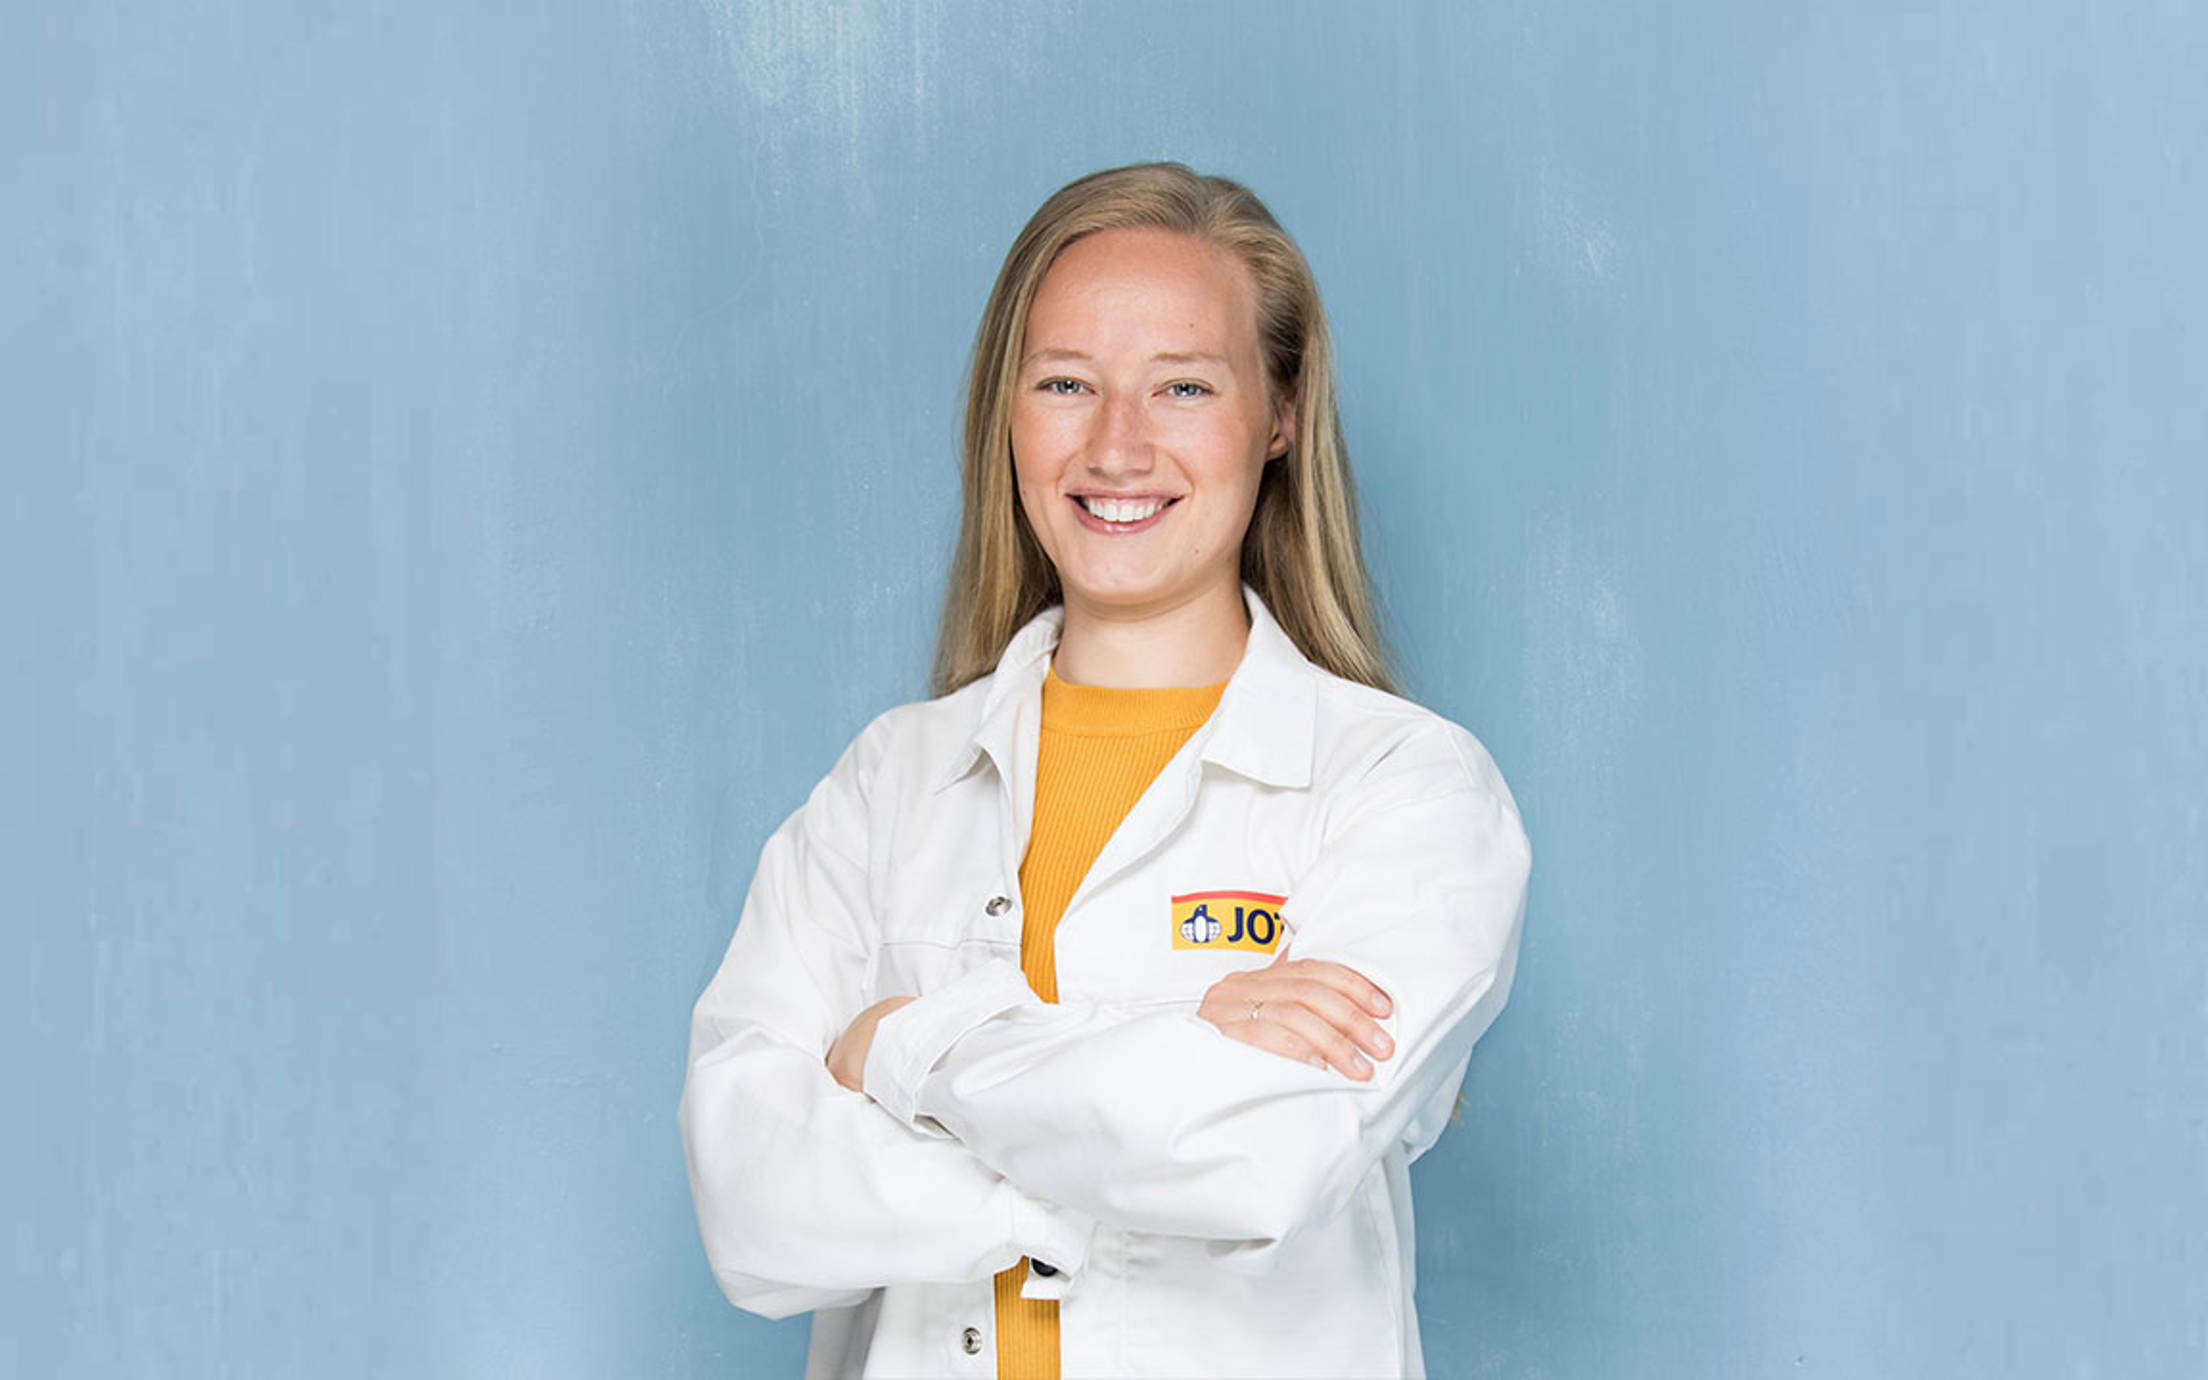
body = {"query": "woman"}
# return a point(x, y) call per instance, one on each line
point(1086, 1019)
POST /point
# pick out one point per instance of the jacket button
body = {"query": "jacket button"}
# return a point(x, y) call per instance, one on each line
point(1043, 1268)
point(969, 1341)
point(998, 905)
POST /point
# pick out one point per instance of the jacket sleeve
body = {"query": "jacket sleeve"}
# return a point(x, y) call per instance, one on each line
point(1156, 1121)
point(808, 1195)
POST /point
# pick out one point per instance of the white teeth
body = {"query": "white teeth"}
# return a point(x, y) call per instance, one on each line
point(1121, 510)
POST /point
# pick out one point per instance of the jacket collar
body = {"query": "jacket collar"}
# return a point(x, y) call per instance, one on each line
point(1263, 728)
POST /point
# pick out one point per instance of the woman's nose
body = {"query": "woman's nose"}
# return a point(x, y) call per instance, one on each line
point(1121, 444)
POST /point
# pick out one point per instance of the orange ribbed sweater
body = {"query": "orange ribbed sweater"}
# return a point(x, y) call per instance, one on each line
point(1101, 748)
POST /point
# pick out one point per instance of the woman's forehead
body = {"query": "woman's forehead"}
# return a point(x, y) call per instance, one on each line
point(1155, 291)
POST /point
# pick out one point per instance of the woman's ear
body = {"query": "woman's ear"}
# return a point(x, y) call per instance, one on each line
point(1284, 428)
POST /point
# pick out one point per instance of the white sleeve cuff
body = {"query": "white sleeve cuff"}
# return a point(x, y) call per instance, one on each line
point(909, 1040)
point(1054, 1235)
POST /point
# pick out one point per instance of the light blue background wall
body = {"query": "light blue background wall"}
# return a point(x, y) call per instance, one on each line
point(468, 468)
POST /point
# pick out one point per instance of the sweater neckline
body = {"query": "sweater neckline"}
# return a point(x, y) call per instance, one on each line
point(1118, 711)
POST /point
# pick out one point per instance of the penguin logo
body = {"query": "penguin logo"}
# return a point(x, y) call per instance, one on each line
point(1199, 927)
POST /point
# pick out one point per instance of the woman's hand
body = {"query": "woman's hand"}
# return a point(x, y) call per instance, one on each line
point(1308, 1009)
point(847, 1056)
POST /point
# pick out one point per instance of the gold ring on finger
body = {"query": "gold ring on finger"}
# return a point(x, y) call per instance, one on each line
point(1254, 1007)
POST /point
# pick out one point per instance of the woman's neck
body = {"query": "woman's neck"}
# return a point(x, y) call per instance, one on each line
point(1195, 643)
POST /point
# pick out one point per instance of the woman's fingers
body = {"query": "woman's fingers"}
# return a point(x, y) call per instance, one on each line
point(1288, 1028)
point(1353, 985)
point(1318, 1035)
point(1346, 1018)
point(1307, 1009)
point(1342, 995)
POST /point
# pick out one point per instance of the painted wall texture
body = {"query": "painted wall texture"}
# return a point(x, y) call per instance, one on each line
point(470, 467)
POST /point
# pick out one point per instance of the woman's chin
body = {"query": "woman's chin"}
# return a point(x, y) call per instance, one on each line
point(1133, 596)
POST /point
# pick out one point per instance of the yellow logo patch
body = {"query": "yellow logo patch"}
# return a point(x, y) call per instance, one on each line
point(1246, 920)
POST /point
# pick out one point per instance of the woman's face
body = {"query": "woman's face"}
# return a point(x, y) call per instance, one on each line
point(1142, 421)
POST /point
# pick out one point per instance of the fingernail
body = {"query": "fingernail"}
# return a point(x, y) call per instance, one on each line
point(1381, 1042)
point(1315, 1061)
point(1379, 1004)
point(1360, 1063)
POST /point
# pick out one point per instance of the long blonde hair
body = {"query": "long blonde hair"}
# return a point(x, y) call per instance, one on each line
point(1301, 552)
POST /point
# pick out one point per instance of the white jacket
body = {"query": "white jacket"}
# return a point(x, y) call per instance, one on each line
point(1212, 1209)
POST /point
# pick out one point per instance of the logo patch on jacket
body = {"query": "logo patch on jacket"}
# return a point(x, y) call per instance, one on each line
point(1246, 920)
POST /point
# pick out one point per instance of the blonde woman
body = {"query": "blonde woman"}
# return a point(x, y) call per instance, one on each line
point(1086, 1019)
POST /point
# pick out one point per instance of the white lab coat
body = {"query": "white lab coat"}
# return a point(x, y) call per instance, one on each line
point(1212, 1209)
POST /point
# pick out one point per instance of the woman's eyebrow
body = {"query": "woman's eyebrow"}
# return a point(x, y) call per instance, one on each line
point(1161, 357)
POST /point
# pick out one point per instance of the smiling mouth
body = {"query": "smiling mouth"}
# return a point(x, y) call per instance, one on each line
point(1121, 514)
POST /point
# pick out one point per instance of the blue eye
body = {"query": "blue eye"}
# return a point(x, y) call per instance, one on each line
point(1064, 388)
point(1197, 390)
